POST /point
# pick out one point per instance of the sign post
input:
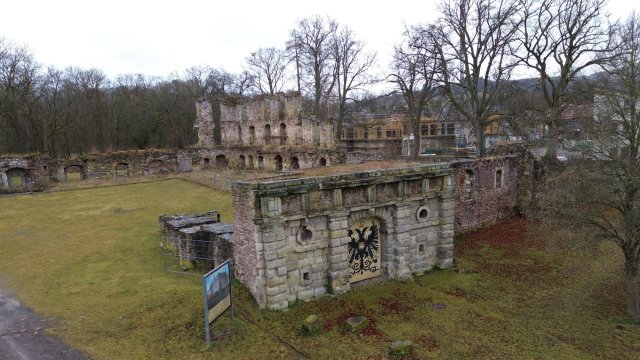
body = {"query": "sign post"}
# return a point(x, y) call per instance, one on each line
point(217, 295)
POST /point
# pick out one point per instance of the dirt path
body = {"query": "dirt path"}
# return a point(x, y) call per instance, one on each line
point(22, 334)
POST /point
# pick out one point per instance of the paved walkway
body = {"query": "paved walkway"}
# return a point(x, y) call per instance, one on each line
point(22, 335)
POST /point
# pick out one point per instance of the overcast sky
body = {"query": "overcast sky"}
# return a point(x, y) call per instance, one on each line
point(161, 37)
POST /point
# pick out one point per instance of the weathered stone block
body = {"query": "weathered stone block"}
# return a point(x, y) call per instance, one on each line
point(276, 281)
point(448, 234)
point(356, 324)
point(320, 291)
point(404, 228)
point(445, 263)
point(401, 348)
point(277, 263)
point(311, 325)
point(272, 291)
point(305, 295)
point(337, 234)
point(338, 225)
point(340, 281)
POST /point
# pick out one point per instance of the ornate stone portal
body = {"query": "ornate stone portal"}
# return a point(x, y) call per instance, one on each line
point(299, 238)
point(364, 250)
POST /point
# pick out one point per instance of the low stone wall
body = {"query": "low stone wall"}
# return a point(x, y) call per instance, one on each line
point(35, 173)
point(296, 239)
point(258, 158)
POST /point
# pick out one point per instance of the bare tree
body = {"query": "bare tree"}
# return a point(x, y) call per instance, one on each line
point(242, 83)
point(472, 39)
point(416, 75)
point(20, 90)
point(604, 190)
point(351, 70)
point(267, 68)
point(618, 141)
point(559, 39)
point(207, 82)
point(312, 41)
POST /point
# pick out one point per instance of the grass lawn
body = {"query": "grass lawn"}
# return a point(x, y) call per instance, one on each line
point(91, 259)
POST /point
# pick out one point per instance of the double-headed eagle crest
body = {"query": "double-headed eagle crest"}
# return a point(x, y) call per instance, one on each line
point(363, 249)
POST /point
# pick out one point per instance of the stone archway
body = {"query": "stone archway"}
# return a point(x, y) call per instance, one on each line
point(18, 179)
point(267, 134)
point(252, 135)
point(250, 164)
point(122, 170)
point(295, 163)
point(278, 163)
point(73, 173)
point(372, 236)
point(221, 161)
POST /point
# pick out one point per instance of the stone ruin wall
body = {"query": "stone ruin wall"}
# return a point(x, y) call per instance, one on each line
point(38, 172)
point(482, 198)
point(264, 122)
point(296, 142)
point(19, 174)
point(204, 123)
point(291, 236)
point(478, 201)
point(197, 240)
point(496, 187)
point(260, 159)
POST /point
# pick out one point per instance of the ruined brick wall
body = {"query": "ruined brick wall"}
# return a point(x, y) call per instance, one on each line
point(247, 269)
point(491, 189)
point(296, 233)
point(271, 121)
point(204, 123)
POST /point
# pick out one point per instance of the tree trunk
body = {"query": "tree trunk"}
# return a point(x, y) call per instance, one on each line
point(415, 150)
point(633, 300)
point(552, 143)
point(480, 149)
point(339, 121)
point(552, 137)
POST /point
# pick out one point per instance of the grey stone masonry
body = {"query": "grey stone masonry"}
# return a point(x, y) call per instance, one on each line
point(302, 235)
point(198, 237)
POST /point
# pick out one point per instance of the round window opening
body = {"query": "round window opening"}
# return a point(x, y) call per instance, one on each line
point(304, 234)
point(422, 214)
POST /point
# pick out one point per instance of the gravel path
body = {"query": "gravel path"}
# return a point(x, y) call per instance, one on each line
point(22, 334)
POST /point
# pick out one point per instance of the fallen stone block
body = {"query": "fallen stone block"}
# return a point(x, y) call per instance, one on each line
point(356, 324)
point(401, 348)
point(311, 325)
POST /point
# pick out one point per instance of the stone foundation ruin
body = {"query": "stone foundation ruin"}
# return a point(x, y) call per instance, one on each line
point(197, 241)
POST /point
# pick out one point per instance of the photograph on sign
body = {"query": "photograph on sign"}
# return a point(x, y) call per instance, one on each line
point(218, 291)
